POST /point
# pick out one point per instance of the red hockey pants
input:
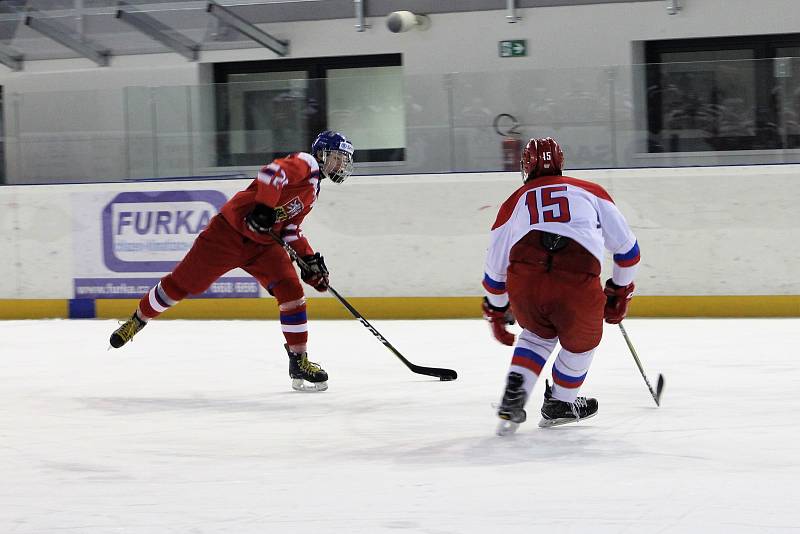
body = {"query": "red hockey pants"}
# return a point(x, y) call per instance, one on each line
point(557, 294)
point(220, 248)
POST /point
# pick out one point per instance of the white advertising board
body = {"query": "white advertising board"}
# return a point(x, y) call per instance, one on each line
point(127, 240)
point(702, 231)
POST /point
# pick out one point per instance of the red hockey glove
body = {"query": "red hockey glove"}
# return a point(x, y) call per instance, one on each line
point(498, 319)
point(617, 299)
point(315, 273)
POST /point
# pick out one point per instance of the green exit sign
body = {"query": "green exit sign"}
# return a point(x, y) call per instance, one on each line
point(514, 48)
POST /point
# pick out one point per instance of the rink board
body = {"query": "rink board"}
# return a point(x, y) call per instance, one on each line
point(112, 241)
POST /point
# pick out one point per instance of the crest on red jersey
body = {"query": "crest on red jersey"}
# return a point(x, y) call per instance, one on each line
point(289, 210)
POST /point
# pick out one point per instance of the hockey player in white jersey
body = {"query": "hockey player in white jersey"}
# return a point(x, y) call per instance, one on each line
point(543, 269)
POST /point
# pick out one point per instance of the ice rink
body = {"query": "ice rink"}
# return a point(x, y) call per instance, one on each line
point(193, 428)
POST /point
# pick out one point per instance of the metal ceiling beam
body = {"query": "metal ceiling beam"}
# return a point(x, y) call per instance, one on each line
point(61, 34)
point(159, 31)
point(10, 57)
point(261, 37)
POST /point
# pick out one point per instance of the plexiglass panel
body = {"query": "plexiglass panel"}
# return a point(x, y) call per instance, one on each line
point(720, 111)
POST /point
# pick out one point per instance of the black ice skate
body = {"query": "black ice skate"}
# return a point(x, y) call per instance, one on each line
point(556, 412)
point(511, 409)
point(125, 333)
point(306, 375)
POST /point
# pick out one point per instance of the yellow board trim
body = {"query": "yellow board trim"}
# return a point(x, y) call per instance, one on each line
point(33, 308)
point(318, 308)
point(717, 306)
point(405, 307)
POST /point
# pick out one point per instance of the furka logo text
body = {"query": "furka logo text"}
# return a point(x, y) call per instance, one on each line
point(151, 231)
point(163, 222)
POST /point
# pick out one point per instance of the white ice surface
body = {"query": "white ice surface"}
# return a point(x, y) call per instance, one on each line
point(193, 428)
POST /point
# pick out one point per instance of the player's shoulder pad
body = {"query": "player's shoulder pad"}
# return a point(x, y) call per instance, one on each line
point(308, 159)
point(590, 187)
point(507, 207)
point(299, 166)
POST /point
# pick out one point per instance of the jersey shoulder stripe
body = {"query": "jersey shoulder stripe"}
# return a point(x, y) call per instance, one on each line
point(590, 187)
point(310, 161)
point(272, 174)
point(507, 208)
point(296, 168)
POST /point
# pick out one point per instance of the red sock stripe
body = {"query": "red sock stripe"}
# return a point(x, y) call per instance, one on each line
point(296, 338)
point(145, 309)
point(528, 359)
point(566, 381)
point(527, 364)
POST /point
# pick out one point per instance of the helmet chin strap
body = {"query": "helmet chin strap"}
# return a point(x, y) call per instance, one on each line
point(320, 157)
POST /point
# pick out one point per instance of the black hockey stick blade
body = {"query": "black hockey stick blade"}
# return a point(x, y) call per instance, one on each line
point(659, 389)
point(445, 375)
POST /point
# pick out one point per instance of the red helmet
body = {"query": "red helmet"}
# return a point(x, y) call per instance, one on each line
point(541, 157)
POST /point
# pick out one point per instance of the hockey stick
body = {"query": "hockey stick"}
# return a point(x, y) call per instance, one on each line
point(442, 374)
point(659, 385)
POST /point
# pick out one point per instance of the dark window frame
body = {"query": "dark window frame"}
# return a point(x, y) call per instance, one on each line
point(2, 138)
point(764, 47)
point(315, 68)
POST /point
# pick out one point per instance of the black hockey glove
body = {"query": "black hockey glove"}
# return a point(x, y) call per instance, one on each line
point(315, 273)
point(503, 314)
point(261, 219)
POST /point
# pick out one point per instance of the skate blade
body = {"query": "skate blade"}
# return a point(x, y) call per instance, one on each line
point(298, 384)
point(506, 428)
point(547, 423)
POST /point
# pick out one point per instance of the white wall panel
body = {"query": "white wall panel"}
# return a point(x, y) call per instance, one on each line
point(702, 231)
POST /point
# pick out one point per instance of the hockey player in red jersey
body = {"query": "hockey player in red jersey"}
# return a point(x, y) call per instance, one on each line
point(543, 269)
point(277, 201)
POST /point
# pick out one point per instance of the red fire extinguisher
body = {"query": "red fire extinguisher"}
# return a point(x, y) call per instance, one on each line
point(511, 146)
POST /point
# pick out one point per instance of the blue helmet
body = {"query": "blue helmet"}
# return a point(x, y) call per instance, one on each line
point(335, 155)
